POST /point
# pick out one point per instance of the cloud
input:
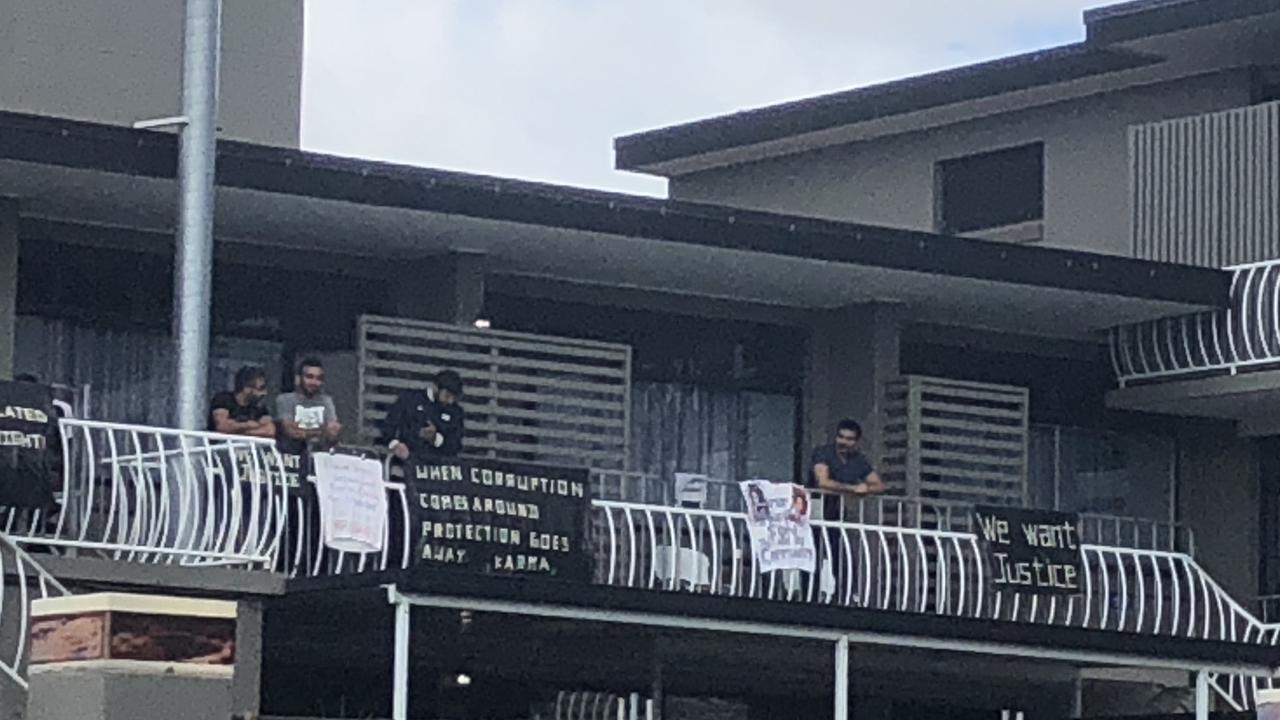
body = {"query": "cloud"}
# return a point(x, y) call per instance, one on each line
point(537, 89)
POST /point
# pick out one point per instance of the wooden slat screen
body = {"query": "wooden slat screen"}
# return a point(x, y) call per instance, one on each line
point(956, 441)
point(528, 398)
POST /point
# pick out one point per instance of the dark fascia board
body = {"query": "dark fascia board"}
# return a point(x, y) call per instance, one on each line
point(286, 171)
point(800, 616)
point(776, 122)
point(1149, 18)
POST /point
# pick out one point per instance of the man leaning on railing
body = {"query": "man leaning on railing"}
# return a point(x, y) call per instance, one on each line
point(842, 468)
point(242, 412)
point(307, 416)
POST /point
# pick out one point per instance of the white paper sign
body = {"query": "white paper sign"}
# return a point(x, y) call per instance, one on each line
point(353, 502)
point(778, 521)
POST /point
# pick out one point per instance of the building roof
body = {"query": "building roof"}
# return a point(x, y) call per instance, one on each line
point(81, 173)
point(1146, 18)
point(826, 112)
point(1099, 55)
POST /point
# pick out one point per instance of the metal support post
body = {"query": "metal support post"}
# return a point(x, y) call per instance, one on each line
point(400, 668)
point(193, 256)
point(1202, 695)
point(842, 678)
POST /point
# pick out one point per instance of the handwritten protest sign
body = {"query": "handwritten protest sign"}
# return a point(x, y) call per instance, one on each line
point(353, 502)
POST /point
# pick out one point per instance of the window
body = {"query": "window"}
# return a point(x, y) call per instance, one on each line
point(991, 190)
point(1124, 474)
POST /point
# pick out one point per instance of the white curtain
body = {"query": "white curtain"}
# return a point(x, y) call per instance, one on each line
point(725, 434)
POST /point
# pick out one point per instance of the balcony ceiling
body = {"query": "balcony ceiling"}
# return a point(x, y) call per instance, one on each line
point(94, 176)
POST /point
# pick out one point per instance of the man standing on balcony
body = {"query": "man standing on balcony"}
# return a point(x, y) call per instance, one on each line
point(426, 424)
point(307, 417)
point(242, 412)
point(841, 468)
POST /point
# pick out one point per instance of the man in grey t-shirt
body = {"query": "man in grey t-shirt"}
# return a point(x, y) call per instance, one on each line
point(307, 417)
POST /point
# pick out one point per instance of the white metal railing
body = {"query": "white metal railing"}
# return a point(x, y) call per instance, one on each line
point(1244, 336)
point(22, 580)
point(913, 569)
point(586, 705)
point(157, 495)
point(306, 555)
point(893, 511)
point(922, 570)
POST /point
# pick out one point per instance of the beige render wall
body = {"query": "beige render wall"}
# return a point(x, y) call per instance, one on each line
point(1218, 497)
point(117, 61)
point(890, 181)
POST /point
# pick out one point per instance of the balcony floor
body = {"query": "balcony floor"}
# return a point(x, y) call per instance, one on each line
point(778, 619)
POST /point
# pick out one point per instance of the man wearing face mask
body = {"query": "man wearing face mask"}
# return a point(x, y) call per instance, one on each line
point(241, 411)
point(427, 424)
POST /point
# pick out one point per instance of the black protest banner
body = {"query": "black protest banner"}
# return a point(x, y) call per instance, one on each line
point(262, 468)
point(1034, 551)
point(502, 518)
point(28, 433)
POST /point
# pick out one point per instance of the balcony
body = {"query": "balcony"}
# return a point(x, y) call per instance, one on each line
point(1205, 191)
point(155, 496)
point(1223, 363)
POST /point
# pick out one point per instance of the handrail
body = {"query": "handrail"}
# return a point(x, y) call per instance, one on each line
point(15, 616)
point(1243, 336)
point(894, 510)
point(163, 496)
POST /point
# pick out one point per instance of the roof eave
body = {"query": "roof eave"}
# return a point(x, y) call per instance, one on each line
point(283, 171)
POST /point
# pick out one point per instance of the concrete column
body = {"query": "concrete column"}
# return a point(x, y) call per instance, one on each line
point(1268, 704)
point(127, 674)
point(852, 351)
point(442, 288)
point(246, 680)
point(8, 284)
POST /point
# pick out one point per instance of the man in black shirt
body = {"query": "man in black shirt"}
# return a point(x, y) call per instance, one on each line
point(242, 412)
point(842, 468)
point(426, 424)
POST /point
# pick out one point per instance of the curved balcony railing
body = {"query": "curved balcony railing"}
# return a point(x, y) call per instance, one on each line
point(153, 495)
point(890, 510)
point(22, 580)
point(156, 495)
point(1244, 336)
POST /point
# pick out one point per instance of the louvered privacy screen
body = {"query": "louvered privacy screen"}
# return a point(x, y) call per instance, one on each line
point(956, 441)
point(529, 398)
point(1206, 189)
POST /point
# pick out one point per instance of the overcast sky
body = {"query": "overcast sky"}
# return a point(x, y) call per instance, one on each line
point(537, 89)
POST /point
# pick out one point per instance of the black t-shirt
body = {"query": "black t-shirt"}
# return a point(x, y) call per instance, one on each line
point(849, 471)
point(28, 434)
point(236, 411)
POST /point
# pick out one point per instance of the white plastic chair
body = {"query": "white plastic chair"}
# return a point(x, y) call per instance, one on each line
point(690, 490)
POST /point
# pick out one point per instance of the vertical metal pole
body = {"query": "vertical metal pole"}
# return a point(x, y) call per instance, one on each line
point(1202, 695)
point(193, 256)
point(842, 678)
point(657, 689)
point(400, 668)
